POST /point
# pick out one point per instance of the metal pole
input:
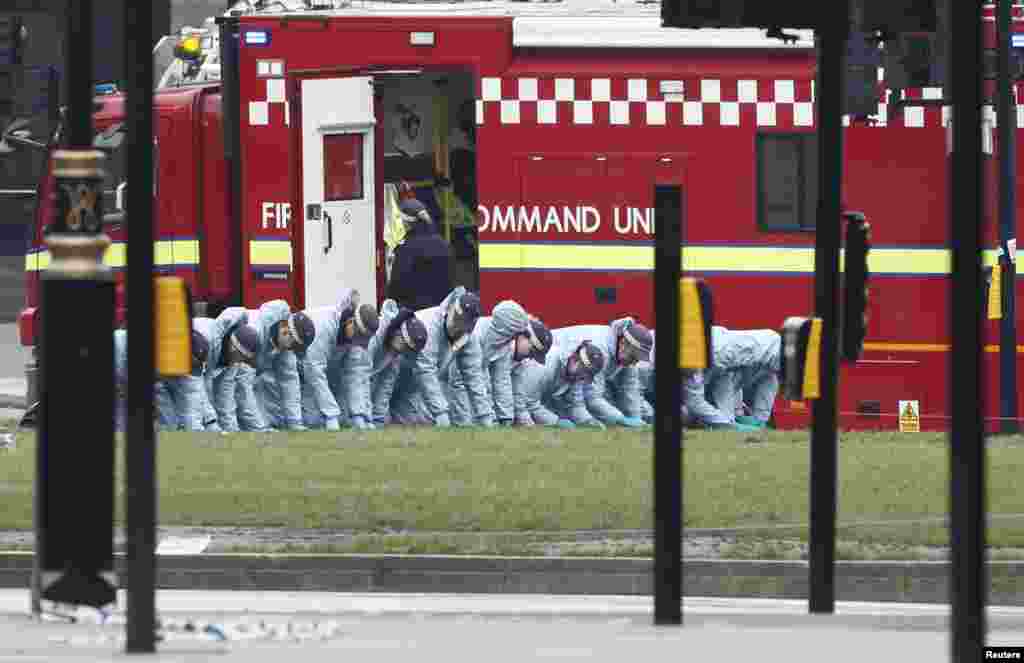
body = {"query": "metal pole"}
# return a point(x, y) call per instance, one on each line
point(824, 444)
point(1006, 120)
point(966, 395)
point(78, 61)
point(668, 429)
point(140, 449)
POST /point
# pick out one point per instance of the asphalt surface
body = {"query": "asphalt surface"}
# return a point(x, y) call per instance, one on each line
point(13, 357)
point(12, 287)
point(268, 626)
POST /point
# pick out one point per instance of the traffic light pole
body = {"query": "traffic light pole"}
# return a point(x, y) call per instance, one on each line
point(140, 451)
point(830, 88)
point(668, 425)
point(1007, 127)
point(967, 432)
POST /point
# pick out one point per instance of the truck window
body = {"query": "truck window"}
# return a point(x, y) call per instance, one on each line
point(111, 142)
point(787, 181)
point(343, 167)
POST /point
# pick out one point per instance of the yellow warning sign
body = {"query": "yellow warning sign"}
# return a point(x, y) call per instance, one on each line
point(910, 417)
point(995, 298)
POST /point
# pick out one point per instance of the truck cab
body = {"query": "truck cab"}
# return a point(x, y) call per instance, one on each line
point(191, 206)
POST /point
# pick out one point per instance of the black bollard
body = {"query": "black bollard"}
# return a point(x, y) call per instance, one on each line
point(75, 450)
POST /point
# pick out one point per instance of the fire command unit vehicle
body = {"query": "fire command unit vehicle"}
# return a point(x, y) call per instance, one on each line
point(537, 133)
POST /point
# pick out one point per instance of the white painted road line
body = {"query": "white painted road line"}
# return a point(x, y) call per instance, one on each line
point(16, 601)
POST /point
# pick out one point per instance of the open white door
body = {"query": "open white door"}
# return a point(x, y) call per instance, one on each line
point(339, 214)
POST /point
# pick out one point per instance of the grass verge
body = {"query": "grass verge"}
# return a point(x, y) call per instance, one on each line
point(514, 480)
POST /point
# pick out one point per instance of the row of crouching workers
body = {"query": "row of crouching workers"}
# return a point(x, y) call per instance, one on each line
point(352, 365)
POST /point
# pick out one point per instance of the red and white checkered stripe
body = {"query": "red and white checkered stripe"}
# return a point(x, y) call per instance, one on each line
point(274, 95)
point(639, 101)
point(609, 101)
point(783, 103)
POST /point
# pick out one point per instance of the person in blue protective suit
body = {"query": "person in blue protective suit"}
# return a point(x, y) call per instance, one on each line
point(648, 386)
point(400, 334)
point(284, 337)
point(614, 395)
point(551, 393)
point(335, 370)
point(745, 369)
point(646, 373)
point(230, 373)
point(509, 335)
point(180, 401)
point(205, 328)
point(423, 394)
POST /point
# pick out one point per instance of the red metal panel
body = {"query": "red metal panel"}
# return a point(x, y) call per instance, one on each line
point(218, 254)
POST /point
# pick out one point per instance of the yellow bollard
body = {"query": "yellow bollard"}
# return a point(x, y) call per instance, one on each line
point(695, 320)
point(801, 358)
point(812, 361)
point(173, 342)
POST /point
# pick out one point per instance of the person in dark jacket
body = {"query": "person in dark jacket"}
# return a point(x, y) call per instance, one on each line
point(422, 275)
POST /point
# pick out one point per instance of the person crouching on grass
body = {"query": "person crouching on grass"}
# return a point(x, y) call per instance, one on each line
point(335, 371)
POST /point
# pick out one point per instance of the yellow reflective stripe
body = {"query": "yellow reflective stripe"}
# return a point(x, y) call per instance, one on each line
point(166, 253)
point(697, 258)
point(185, 251)
point(117, 254)
point(270, 253)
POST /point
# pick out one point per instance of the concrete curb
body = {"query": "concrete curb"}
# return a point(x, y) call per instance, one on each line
point(907, 582)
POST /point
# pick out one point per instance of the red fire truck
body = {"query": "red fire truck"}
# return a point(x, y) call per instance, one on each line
point(537, 132)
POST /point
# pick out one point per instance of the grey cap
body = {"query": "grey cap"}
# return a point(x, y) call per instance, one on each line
point(414, 210)
point(591, 357)
point(200, 347)
point(640, 339)
point(246, 340)
point(469, 307)
point(414, 333)
point(303, 329)
point(367, 322)
point(541, 340)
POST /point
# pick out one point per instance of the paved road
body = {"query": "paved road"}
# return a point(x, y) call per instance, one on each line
point(468, 628)
point(12, 286)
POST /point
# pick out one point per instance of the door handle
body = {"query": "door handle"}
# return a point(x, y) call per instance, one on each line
point(330, 232)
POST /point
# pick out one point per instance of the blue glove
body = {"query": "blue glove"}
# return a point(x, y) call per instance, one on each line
point(331, 423)
point(442, 421)
point(751, 421)
point(743, 428)
point(632, 422)
point(567, 424)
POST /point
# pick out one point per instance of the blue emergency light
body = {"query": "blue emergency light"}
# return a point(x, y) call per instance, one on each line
point(105, 88)
point(257, 38)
